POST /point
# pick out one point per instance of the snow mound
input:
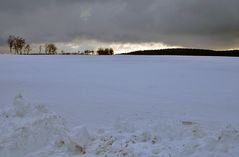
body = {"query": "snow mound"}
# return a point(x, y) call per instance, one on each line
point(32, 131)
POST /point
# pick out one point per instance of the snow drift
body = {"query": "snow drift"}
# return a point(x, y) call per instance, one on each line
point(29, 130)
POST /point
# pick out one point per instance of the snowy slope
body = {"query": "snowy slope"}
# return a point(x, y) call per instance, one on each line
point(124, 105)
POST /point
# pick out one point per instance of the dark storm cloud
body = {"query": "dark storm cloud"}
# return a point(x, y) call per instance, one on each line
point(192, 23)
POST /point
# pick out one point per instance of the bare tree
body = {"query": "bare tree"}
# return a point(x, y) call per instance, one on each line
point(18, 44)
point(27, 49)
point(111, 51)
point(46, 48)
point(40, 48)
point(100, 51)
point(10, 42)
point(50, 49)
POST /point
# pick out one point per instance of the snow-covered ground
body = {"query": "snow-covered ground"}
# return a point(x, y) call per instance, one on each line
point(135, 106)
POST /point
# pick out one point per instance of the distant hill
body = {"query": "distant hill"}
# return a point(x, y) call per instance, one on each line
point(186, 52)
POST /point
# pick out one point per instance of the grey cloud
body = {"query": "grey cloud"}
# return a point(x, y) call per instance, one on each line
point(191, 23)
point(2, 41)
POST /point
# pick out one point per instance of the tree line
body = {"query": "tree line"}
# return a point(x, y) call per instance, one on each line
point(20, 46)
point(106, 51)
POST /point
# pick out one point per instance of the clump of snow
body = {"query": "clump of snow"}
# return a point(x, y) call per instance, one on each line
point(29, 130)
point(81, 136)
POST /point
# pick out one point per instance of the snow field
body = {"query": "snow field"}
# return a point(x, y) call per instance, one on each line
point(29, 130)
point(119, 106)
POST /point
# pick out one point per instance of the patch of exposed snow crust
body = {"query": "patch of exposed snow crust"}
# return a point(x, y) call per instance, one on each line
point(29, 130)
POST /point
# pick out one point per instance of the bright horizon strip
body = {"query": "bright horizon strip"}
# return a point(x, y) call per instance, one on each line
point(117, 46)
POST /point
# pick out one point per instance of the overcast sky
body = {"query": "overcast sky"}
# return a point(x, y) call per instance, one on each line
point(122, 24)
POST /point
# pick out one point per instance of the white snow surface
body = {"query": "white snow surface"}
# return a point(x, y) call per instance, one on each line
point(132, 106)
